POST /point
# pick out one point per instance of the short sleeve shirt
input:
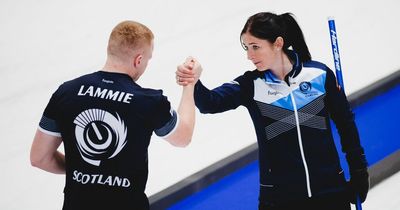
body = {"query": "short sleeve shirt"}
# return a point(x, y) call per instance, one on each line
point(106, 121)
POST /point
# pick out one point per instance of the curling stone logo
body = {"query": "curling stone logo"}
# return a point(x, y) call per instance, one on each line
point(305, 87)
point(100, 135)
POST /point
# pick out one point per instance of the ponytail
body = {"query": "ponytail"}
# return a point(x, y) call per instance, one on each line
point(295, 37)
point(269, 26)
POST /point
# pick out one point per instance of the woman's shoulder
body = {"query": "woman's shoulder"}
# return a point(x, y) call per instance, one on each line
point(316, 64)
point(250, 75)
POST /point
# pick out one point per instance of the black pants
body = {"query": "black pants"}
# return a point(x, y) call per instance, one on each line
point(334, 201)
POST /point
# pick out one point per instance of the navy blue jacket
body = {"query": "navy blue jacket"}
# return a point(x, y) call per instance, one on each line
point(297, 154)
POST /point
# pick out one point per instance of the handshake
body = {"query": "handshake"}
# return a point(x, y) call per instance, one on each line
point(189, 72)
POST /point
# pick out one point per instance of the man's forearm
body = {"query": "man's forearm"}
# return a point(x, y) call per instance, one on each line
point(186, 107)
point(186, 111)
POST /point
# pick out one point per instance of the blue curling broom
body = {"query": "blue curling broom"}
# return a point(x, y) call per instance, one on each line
point(335, 52)
point(338, 68)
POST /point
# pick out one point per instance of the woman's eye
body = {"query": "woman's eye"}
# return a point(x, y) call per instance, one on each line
point(255, 47)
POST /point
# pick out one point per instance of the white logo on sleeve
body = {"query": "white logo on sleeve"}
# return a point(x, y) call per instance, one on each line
point(100, 135)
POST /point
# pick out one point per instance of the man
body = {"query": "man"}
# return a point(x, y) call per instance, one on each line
point(105, 121)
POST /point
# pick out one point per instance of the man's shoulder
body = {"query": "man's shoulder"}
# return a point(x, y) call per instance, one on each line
point(150, 94)
point(77, 80)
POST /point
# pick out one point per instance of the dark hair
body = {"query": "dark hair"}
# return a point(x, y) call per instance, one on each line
point(269, 26)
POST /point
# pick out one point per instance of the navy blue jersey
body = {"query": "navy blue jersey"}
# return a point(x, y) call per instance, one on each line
point(105, 121)
point(297, 154)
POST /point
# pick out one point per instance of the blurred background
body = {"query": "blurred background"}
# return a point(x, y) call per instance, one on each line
point(43, 43)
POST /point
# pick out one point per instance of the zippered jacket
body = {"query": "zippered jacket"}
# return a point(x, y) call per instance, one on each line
point(297, 153)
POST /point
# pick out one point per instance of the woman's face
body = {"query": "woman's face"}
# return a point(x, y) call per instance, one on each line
point(260, 52)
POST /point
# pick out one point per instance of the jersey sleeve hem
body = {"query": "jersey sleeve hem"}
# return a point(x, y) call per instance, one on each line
point(51, 133)
point(169, 128)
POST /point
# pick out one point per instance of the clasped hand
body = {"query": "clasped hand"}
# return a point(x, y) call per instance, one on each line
point(189, 72)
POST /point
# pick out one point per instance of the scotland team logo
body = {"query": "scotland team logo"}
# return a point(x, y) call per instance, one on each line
point(305, 87)
point(100, 135)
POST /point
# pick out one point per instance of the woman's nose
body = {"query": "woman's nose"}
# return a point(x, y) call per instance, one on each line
point(249, 55)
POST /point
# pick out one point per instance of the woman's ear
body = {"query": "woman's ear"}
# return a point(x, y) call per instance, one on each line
point(278, 44)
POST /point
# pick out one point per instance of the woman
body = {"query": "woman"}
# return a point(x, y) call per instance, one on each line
point(291, 100)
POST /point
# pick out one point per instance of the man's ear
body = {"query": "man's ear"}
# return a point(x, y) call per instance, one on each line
point(137, 60)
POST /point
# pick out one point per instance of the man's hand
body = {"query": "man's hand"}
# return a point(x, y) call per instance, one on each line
point(189, 72)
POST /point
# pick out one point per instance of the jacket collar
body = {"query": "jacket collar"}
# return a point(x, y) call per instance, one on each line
point(270, 77)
